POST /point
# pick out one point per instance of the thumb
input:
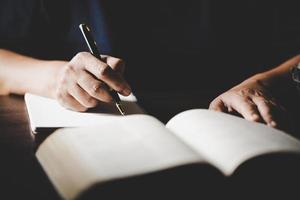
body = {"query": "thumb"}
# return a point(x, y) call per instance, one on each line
point(217, 105)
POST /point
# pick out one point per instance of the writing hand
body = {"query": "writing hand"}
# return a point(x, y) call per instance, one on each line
point(83, 81)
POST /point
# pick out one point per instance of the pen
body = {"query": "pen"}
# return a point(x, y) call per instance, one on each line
point(92, 45)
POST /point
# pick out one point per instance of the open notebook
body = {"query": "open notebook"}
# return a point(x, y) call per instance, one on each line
point(48, 113)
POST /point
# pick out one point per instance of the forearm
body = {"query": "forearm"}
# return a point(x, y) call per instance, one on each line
point(279, 77)
point(20, 74)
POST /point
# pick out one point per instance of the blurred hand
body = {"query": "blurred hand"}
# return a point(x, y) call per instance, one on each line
point(80, 83)
point(253, 101)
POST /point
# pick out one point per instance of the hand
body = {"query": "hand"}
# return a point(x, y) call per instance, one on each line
point(253, 101)
point(83, 81)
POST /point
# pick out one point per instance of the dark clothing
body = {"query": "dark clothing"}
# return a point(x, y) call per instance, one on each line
point(204, 44)
point(49, 28)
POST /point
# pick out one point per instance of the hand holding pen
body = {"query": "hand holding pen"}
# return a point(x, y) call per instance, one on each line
point(86, 80)
point(91, 43)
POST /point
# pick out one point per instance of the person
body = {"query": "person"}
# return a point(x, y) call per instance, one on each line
point(253, 97)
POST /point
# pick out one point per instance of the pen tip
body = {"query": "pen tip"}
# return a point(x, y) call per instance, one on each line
point(119, 106)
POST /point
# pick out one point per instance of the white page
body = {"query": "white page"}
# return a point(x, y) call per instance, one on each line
point(74, 159)
point(47, 113)
point(226, 141)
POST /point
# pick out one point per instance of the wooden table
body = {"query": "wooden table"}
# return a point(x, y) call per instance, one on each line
point(21, 176)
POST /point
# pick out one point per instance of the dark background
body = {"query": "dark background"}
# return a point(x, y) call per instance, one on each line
point(205, 45)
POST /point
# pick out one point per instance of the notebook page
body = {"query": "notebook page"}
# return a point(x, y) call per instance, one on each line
point(227, 141)
point(47, 113)
point(131, 145)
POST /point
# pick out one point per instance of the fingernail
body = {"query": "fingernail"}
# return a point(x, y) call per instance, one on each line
point(255, 117)
point(127, 91)
point(273, 124)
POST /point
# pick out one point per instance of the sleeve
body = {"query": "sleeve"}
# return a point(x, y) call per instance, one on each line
point(31, 27)
point(15, 23)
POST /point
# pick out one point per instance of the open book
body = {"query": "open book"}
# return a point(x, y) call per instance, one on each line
point(77, 158)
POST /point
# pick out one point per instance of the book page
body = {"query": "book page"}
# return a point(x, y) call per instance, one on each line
point(227, 141)
point(76, 158)
point(47, 113)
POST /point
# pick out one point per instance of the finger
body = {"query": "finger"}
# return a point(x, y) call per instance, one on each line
point(94, 87)
point(104, 72)
point(116, 64)
point(217, 105)
point(246, 108)
point(265, 109)
point(69, 102)
point(82, 97)
point(113, 79)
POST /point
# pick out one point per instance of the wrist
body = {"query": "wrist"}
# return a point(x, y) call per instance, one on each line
point(4, 88)
point(51, 84)
point(261, 79)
